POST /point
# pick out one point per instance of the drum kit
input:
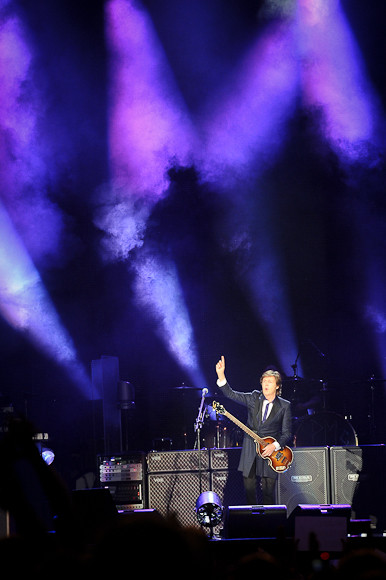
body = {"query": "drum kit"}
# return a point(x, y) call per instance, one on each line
point(215, 431)
point(316, 407)
point(317, 421)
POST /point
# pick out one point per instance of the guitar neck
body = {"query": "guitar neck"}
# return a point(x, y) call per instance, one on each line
point(244, 427)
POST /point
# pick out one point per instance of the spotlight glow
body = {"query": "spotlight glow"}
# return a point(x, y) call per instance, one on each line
point(246, 125)
point(123, 219)
point(334, 79)
point(375, 314)
point(27, 217)
point(244, 138)
point(25, 305)
point(158, 289)
point(23, 170)
point(149, 131)
point(149, 127)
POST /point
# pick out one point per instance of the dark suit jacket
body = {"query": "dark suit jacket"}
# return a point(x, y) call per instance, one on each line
point(278, 425)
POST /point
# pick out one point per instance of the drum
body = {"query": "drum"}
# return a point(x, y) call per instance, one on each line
point(215, 435)
point(325, 429)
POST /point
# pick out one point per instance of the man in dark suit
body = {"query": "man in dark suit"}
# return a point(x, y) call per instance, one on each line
point(269, 415)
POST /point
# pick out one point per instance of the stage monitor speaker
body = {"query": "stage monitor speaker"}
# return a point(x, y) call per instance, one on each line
point(320, 527)
point(259, 521)
point(354, 474)
point(307, 481)
point(176, 494)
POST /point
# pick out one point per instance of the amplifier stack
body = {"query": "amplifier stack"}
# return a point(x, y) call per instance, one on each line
point(170, 482)
point(175, 480)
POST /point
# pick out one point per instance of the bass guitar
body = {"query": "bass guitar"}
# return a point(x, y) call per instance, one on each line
point(280, 460)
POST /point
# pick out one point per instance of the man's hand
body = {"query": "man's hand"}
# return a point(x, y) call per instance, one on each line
point(267, 451)
point(220, 369)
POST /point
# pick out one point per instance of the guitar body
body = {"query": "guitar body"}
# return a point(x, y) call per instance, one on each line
point(279, 460)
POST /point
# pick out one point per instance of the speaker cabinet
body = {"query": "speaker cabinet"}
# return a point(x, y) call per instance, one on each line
point(229, 486)
point(355, 472)
point(346, 465)
point(307, 480)
point(227, 458)
point(176, 494)
point(226, 480)
point(187, 460)
point(261, 521)
point(321, 527)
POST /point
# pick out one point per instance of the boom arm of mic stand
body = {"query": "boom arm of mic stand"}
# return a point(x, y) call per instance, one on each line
point(201, 415)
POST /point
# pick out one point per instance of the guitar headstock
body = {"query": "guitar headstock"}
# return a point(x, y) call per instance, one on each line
point(218, 408)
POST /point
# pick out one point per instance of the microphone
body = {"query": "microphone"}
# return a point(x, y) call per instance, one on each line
point(204, 392)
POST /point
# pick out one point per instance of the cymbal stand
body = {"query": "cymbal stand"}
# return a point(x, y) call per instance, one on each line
point(295, 377)
point(324, 390)
point(294, 367)
point(371, 412)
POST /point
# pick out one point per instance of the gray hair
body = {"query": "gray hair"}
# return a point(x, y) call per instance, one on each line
point(272, 373)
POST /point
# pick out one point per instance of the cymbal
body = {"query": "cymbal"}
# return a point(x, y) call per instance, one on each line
point(300, 380)
point(370, 381)
point(186, 388)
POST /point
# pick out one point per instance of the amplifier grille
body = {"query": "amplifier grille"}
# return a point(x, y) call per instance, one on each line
point(176, 494)
point(227, 458)
point(187, 460)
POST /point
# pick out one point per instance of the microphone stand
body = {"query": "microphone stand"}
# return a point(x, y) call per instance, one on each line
point(197, 427)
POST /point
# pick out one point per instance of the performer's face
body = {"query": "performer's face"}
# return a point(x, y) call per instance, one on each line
point(269, 387)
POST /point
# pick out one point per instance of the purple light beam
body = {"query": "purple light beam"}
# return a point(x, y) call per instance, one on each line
point(25, 210)
point(334, 81)
point(243, 139)
point(149, 127)
point(158, 289)
point(150, 131)
point(245, 125)
point(26, 306)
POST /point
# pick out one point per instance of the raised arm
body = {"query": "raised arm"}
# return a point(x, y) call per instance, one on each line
point(220, 369)
point(226, 390)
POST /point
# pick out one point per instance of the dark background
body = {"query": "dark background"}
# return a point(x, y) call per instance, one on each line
point(328, 229)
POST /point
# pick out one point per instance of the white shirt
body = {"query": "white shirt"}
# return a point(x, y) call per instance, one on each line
point(265, 403)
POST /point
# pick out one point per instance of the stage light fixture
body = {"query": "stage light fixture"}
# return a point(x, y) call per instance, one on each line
point(209, 509)
point(46, 453)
